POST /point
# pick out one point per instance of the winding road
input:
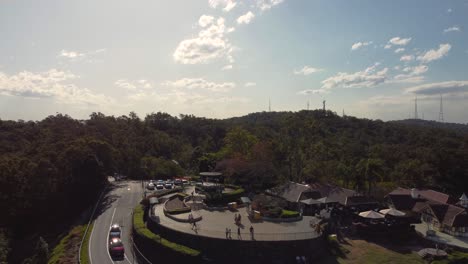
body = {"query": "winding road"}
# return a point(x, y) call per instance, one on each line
point(116, 206)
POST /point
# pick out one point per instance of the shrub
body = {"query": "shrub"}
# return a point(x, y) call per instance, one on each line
point(289, 214)
point(141, 230)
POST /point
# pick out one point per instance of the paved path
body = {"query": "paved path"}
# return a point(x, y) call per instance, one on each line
point(214, 224)
point(115, 207)
point(443, 238)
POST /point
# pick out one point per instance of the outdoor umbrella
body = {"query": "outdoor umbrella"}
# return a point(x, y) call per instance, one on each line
point(372, 215)
point(310, 201)
point(325, 200)
point(392, 211)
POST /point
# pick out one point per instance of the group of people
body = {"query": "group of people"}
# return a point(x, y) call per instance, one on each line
point(237, 219)
point(239, 236)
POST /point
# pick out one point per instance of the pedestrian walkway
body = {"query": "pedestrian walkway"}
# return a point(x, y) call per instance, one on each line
point(214, 224)
point(442, 238)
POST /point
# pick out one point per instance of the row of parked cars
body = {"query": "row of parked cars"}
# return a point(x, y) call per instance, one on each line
point(168, 184)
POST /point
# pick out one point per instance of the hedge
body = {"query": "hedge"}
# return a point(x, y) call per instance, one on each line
point(289, 214)
point(141, 230)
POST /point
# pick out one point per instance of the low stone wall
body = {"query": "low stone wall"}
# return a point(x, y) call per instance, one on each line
point(183, 219)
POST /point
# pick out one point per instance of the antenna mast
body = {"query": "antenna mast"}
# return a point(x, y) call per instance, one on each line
point(308, 105)
point(416, 108)
point(324, 105)
point(441, 112)
point(269, 105)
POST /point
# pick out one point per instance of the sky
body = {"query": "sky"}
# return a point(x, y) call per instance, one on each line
point(225, 58)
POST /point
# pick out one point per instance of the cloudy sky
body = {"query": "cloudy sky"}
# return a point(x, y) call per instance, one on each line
point(223, 58)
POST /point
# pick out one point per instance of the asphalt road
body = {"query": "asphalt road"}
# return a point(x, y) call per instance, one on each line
point(116, 206)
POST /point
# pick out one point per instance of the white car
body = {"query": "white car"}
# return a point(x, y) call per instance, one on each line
point(150, 186)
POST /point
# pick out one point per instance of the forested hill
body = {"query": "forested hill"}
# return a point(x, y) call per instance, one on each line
point(461, 128)
point(50, 166)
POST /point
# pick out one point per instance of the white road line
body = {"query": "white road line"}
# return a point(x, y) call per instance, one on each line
point(89, 245)
point(107, 241)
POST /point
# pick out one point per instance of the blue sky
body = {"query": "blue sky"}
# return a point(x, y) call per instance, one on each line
point(223, 58)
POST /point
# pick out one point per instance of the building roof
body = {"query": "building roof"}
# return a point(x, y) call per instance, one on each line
point(290, 191)
point(357, 200)
point(441, 205)
point(426, 194)
point(211, 174)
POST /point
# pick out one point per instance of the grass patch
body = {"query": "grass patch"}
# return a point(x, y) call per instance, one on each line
point(141, 230)
point(455, 257)
point(363, 252)
point(67, 249)
point(84, 256)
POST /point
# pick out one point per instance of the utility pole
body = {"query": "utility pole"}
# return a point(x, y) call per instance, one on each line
point(324, 106)
point(416, 108)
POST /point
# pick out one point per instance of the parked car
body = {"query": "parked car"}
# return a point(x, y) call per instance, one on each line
point(184, 181)
point(150, 186)
point(115, 231)
point(116, 248)
point(159, 186)
point(168, 186)
point(178, 182)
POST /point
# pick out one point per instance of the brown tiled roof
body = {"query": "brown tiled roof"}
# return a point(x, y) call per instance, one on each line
point(356, 200)
point(401, 201)
point(427, 194)
point(291, 191)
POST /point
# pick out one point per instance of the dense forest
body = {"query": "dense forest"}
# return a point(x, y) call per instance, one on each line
point(51, 170)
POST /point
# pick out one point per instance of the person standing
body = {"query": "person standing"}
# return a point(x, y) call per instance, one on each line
point(239, 233)
point(227, 232)
point(251, 232)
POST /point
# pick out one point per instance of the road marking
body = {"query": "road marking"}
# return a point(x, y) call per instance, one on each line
point(89, 245)
point(107, 240)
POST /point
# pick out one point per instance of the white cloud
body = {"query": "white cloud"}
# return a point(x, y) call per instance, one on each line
point(250, 84)
point(200, 83)
point(53, 84)
point(369, 77)
point(449, 10)
point(314, 91)
point(452, 29)
point(245, 18)
point(77, 56)
point(411, 75)
point(267, 4)
point(205, 20)
point(307, 70)
point(134, 85)
point(399, 50)
point(227, 67)
point(71, 54)
point(226, 5)
point(399, 41)
point(210, 44)
point(448, 87)
point(388, 46)
point(433, 55)
point(359, 45)
point(407, 58)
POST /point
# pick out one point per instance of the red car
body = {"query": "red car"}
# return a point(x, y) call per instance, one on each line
point(116, 248)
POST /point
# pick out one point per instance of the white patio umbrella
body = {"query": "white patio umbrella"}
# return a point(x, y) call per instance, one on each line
point(372, 215)
point(392, 211)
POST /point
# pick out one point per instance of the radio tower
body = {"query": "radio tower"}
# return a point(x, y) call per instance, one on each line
point(441, 112)
point(269, 105)
point(416, 108)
